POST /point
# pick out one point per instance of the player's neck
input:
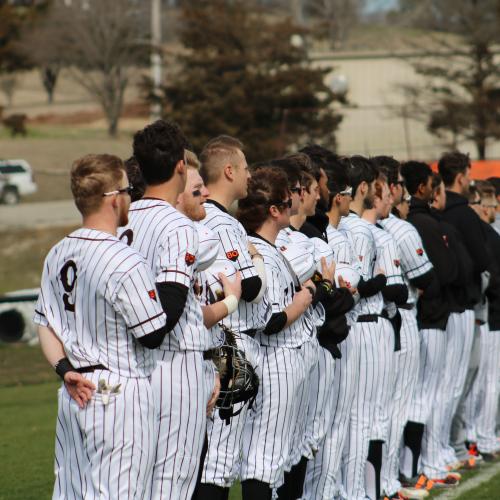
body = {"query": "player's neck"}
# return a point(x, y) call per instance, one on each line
point(334, 217)
point(298, 220)
point(100, 222)
point(370, 215)
point(221, 194)
point(166, 191)
point(357, 206)
point(269, 231)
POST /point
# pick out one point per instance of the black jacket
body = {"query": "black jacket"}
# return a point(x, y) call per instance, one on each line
point(493, 290)
point(433, 312)
point(468, 224)
point(315, 225)
point(459, 291)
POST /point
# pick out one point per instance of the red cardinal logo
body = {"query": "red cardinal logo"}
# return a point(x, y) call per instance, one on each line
point(445, 239)
point(190, 258)
point(152, 294)
point(397, 263)
point(232, 255)
point(420, 252)
point(360, 258)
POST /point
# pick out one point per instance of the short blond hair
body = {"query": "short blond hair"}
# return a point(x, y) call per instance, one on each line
point(191, 159)
point(216, 154)
point(91, 177)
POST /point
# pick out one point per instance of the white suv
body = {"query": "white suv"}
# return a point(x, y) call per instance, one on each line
point(16, 179)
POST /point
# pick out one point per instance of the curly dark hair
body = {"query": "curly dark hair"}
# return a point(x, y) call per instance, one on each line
point(158, 148)
point(266, 187)
point(135, 178)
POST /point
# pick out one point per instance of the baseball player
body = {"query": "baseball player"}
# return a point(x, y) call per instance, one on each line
point(169, 241)
point(267, 438)
point(422, 433)
point(323, 472)
point(454, 169)
point(395, 293)
point(415, 268)
point(225, 172)
point(483, 398)
point(98, 314)
point(363, 451)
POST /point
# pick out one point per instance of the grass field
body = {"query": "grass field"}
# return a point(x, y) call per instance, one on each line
point(28, 402)
point(28, 417)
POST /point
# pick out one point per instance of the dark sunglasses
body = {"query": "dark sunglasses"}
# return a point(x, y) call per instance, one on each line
point(297, 190)
point(196, 193)
point(125, 190)
point(285, 204)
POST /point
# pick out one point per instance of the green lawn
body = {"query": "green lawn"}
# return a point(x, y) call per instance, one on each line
point(28, 407)
point(486, 491)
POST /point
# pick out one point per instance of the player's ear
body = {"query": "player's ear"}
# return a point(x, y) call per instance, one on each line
point(180, 167)
point(228, 172)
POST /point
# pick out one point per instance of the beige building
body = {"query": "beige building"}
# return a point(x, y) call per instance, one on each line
point(373, 123)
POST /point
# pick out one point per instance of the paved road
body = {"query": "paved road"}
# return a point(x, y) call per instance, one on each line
point(50, 213)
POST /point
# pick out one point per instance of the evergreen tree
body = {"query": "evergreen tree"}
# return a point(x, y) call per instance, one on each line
point(242, 74)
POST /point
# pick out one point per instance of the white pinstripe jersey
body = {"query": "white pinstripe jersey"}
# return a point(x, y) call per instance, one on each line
point(342, 244)
point(301, 261)
point(366, 254)
point(387, 255)
point(281, 283)
point(234, 246)
point(414, 259)
point(169, 242)
point(98, 295)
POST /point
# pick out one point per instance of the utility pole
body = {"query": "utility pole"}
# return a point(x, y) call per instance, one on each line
point(156, 55)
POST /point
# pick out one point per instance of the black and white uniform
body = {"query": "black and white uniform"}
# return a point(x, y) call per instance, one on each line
point(169, 242)
point(222, 462)
point(98, 296)
point(414, 263)
point(374, 335)
point(299, 251)
point(323, 472)
point(267, 437)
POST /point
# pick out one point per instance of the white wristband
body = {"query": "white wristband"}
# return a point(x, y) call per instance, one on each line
point(231, 302)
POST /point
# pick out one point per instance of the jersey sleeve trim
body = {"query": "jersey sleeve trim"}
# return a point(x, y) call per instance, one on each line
point(146, 321)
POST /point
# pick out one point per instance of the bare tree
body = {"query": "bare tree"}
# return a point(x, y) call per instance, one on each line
point(458, 94)
point(100, 42)
point(335, 18)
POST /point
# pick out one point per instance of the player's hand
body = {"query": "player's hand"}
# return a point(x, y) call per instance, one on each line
point(303, 299)
point(214, 396)
point(309, 284)
point(380, 271)
point(79, 388)
point(231, 287)
point(327, 271)
point(251, 249)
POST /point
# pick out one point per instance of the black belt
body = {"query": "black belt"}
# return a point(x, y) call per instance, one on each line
point(90, 369)
point(367, 318)
point(407, 307)
point(207, 355)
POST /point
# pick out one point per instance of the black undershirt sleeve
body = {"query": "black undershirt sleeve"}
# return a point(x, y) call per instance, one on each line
point(276, 323)
point(395, 293)
point(154, 339)
point(372, 286)
point(250, 288)
point(429, 283)
point(173, 297)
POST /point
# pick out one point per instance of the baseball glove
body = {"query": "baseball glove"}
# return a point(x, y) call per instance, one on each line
point(238, 380)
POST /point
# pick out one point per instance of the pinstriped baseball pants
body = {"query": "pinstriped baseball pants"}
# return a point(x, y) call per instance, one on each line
point(427, 397)
point(222, 462)
point(323, 471)
point(106, 450)
point(406, 368)
point(267, 438)
point(181, 395)
point(369, 418)
point(460, 337)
